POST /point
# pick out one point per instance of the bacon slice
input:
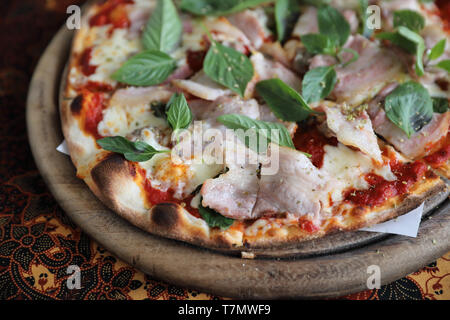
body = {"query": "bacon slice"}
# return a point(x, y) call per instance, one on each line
point(353, 129)
point(269, 69)
point(298, 188)
point(200, 85)
point(419, 144)
point(250, 22)
point(234, 193)
point(362, 79)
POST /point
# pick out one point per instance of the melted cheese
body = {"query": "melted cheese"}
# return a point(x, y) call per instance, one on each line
point(349, 167)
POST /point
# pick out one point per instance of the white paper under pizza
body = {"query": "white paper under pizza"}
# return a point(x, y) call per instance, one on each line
point(406, 225)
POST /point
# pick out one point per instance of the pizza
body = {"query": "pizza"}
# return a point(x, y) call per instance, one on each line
point(241, 125)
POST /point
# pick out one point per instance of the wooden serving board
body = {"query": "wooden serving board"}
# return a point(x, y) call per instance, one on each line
point(332, 266)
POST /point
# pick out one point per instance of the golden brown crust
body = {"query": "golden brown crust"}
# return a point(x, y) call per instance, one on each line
point(112, 180)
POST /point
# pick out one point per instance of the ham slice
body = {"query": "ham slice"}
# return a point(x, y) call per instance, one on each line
point(299, 188)
point(234, 193)
point(201, 86)
point(269, 69)
point(353, 128)
point(362, 79)
point(307, 23)
point(250, 22)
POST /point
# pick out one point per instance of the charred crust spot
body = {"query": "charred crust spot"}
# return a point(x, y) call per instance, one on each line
point(165, 215)
point(133, 171)
point(77, 104)
point(111, 166)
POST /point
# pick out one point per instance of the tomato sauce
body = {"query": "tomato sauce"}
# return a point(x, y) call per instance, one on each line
point(96, 86)
point(444, 12)
point(312, 141)
point(308, 225)
point(195, 59)
point(380, 189)
point(440, 157)
point(112, 12)
point(84, 62)
point(155, 196)
point(93, 104)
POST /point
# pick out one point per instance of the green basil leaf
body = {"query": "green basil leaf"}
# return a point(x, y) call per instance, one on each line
point(365, 31)
point(437, 50)
point(286, 103)
point(134, 151)
point(316, 3)
point(333, 24)
point(318, 83)
point(163, 29)
point(410, 42)
point(286, 14)
point(444, 64)
point(146, 69)
point(410, 19)
point(218, 7)
point(262, 129)
point(228, 67)
point(179, 115)
point(213, 218)
point(440, 104)
point(316, 43)
point(419, 45)
point(409, 107)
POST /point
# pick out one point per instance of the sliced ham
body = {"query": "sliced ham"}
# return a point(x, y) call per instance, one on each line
point(307, 23)
point(251, 23)
point(269, 69)
point(139, 96)
point(353, 128)
point(362, 79)
point(419, 144)
point(299, 188)
point(201, 86)
point(234, 193)
point(225, 32)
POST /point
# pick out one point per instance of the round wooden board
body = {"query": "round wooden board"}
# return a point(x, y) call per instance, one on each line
point(332, 266)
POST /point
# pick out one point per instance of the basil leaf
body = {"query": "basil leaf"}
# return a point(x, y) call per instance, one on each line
point(163, 29)
point(410, 19)
point(286, 103)
point(318, 43)
point(218, 7)
point(365, 31)
point(409, 107)
point(419, 45)
point(444, 64)
point(213, 218)
point(440, 105)
point(437, 50)
point(333, 24)
point(228, 67)
point(286, 14)
point(134, 151)
point(179, 115)
point(318, 83)
point(409, 41)
point(146, 69)
point(262, 129)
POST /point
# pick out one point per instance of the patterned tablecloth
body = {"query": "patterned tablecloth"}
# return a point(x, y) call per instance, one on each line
point(38, 241)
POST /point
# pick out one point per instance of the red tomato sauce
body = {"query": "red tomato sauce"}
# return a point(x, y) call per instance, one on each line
point(444, 12)
point(312, 141)
point(112, 12)
point(155, 196)
point(380, 189)
point(439, 157)
point(308, 225)
point(84, 62)
point(195, 59)
point(93, 104)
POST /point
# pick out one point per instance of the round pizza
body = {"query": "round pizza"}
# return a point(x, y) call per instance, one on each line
point(240, 125)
